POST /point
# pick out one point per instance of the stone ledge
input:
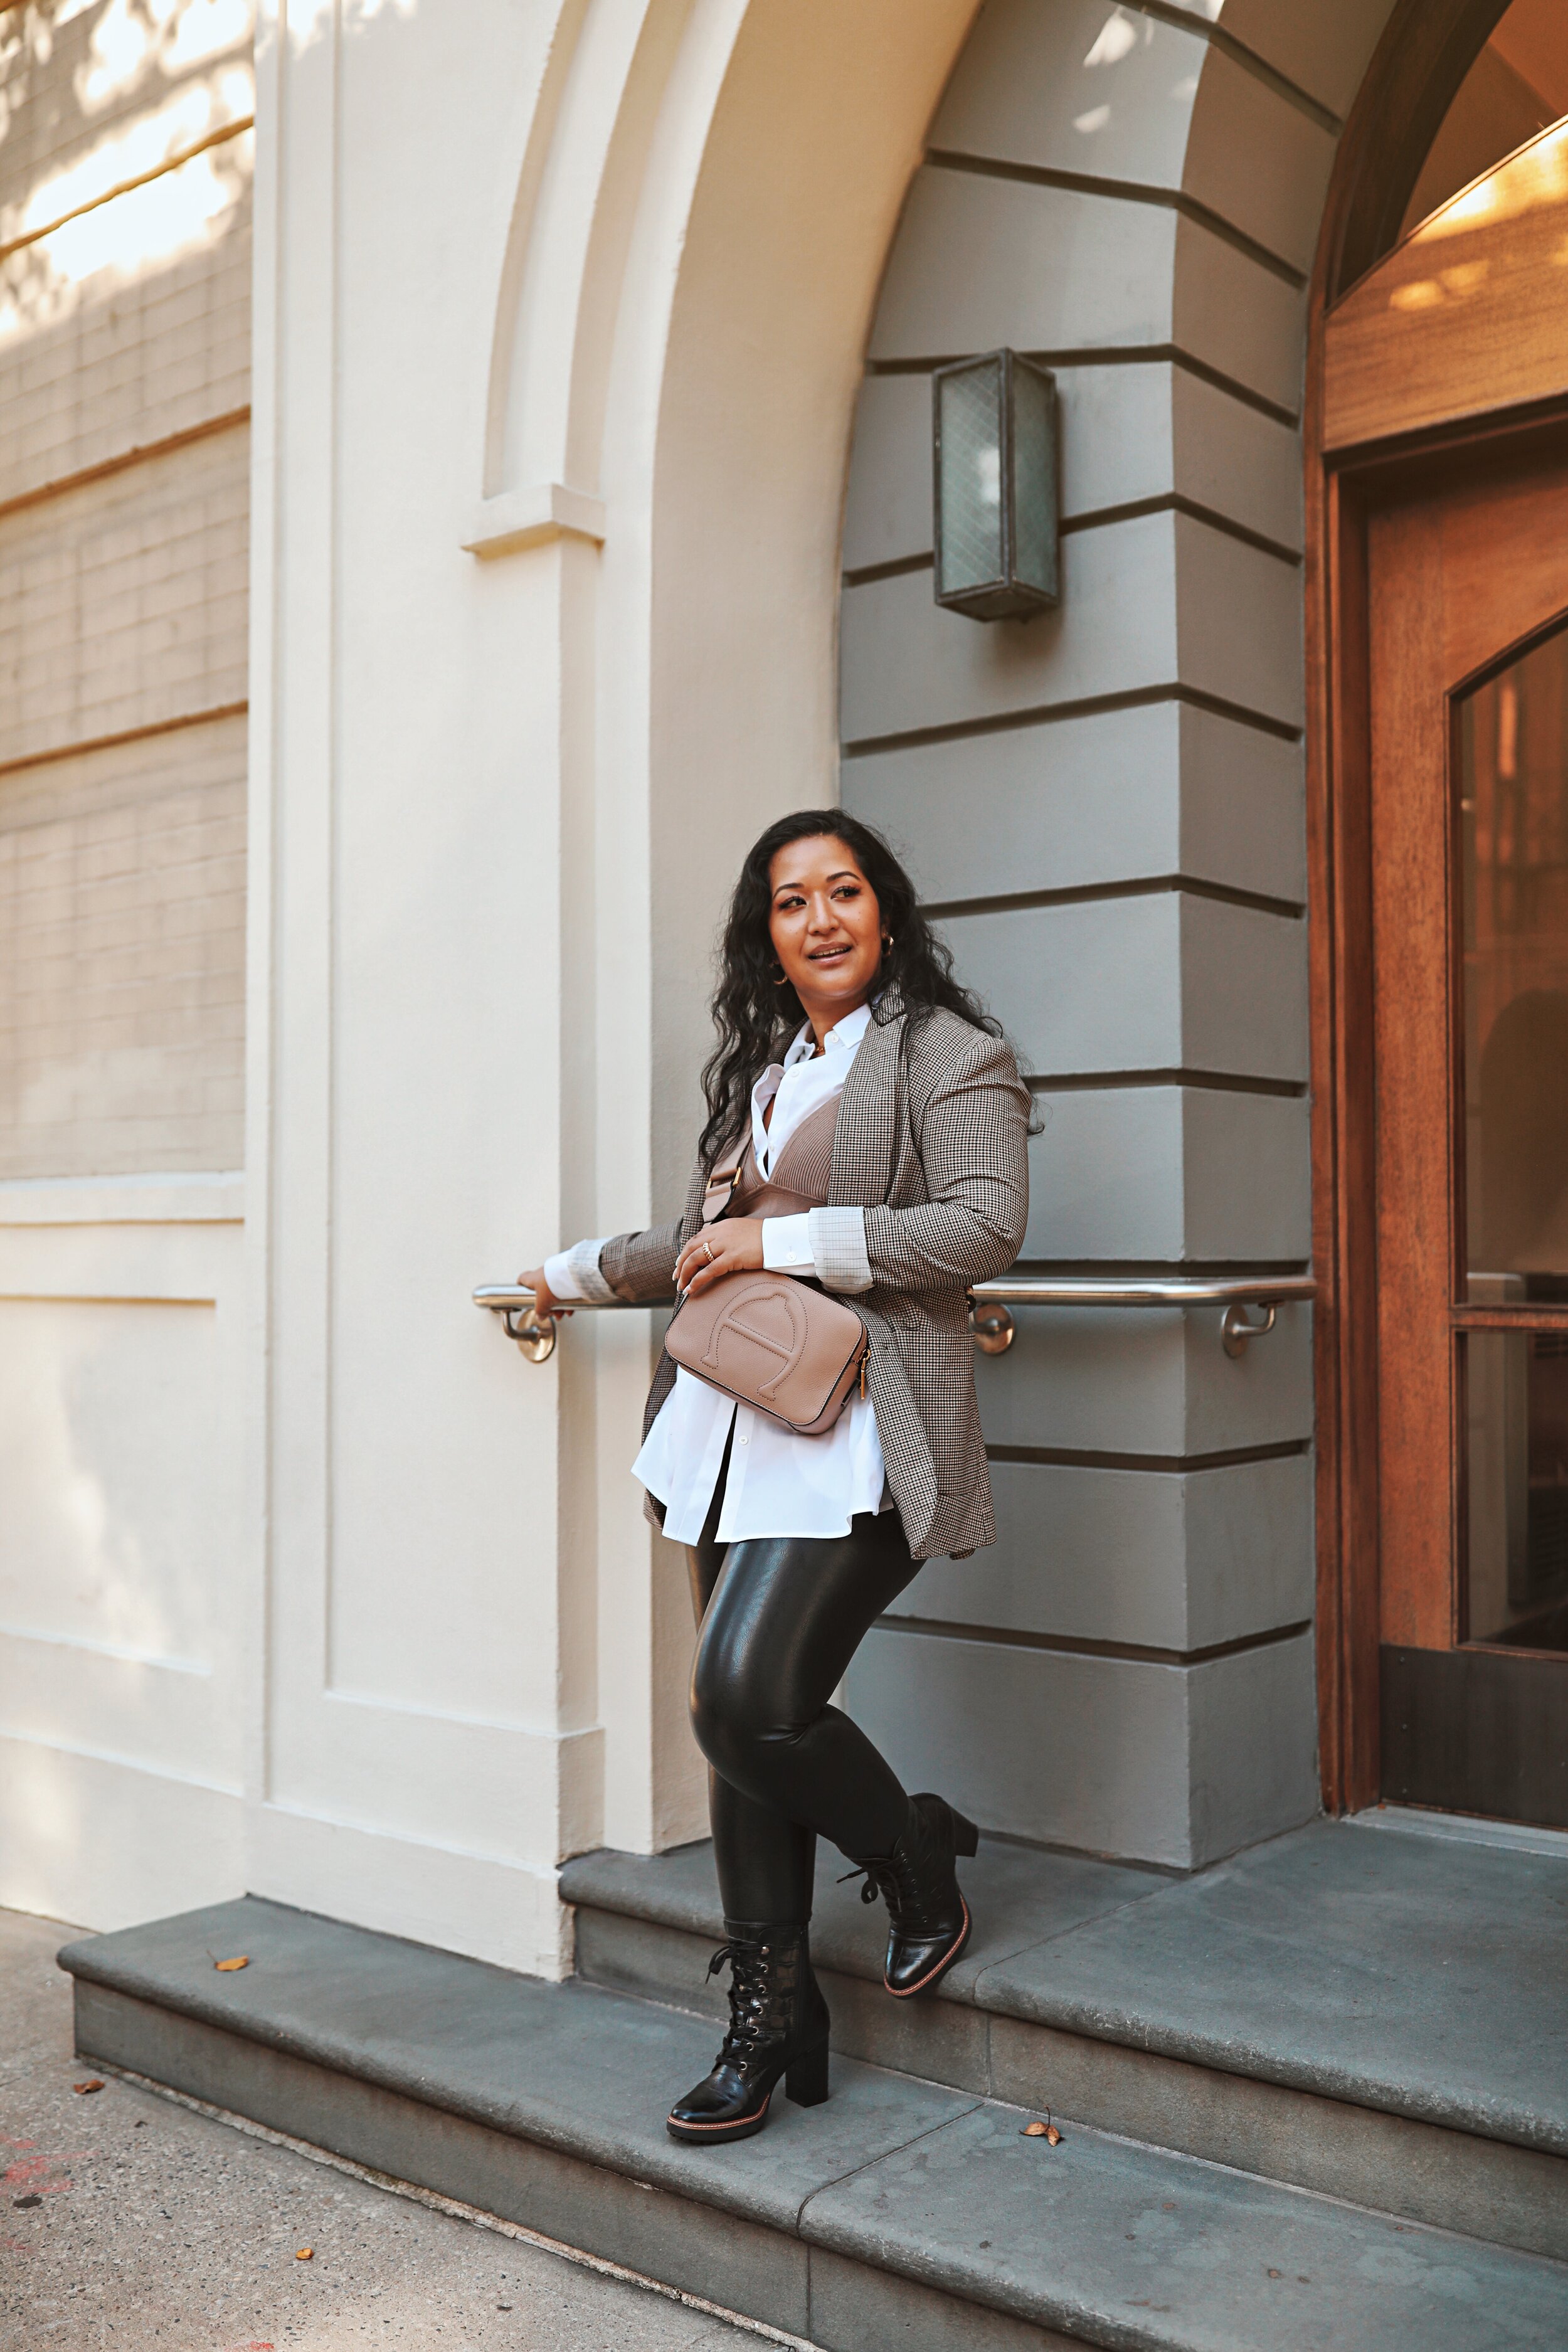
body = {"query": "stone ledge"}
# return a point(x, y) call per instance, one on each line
point(1020, 1896)
point(1417, 2171)
point(562, 2066)
point(1416, 1976)
point(532, 517)
point(917, 2205)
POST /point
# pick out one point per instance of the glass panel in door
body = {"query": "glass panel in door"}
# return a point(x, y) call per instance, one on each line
point(1512, 780)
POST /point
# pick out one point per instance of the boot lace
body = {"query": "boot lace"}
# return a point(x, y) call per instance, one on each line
point(877, 1878)
point(748, 2001)
point(908, 1879)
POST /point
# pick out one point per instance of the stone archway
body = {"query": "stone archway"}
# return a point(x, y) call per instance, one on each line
point(698, 309)
point(707, 195)
point(499, 797)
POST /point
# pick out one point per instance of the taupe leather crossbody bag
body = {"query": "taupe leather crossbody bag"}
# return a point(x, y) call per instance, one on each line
point(767, 1340)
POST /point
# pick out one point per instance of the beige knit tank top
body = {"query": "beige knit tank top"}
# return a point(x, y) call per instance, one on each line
point(800, 1174)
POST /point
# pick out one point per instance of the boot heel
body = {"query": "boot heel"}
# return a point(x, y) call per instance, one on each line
point(806, 2080)
point(965, 1836)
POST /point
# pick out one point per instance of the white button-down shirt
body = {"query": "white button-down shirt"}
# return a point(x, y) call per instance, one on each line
point(779, 1484)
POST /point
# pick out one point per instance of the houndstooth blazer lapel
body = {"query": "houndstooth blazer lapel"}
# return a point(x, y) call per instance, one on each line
point(864, 1137)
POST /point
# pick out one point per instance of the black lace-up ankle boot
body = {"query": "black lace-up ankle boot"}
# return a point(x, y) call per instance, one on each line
point(928, 1917)
point(778, 2025)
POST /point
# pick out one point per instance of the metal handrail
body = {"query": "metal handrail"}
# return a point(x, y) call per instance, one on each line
point(994, 1330)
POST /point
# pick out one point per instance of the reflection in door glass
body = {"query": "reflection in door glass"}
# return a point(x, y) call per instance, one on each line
point(1516, 86)
point(1514, 834)
point(1516, 1393)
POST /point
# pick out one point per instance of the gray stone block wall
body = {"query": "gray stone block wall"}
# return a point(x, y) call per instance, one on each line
point(1175, 1561)
point(1105, 809)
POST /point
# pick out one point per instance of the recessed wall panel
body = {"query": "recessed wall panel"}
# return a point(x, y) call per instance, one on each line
point(110, 1473)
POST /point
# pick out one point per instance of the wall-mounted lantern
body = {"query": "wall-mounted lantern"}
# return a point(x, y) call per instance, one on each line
point(993, 423)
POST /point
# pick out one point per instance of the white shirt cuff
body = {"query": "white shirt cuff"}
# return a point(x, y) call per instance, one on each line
point(575, 1274)
point(837, 1247)
point(786, 1244)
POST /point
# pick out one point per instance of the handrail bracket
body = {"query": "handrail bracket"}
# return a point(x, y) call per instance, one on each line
point(536, 1339)
point(1236, 1332)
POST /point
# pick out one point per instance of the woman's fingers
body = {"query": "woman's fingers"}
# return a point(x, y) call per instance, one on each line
point(544, 1300)
point(728, 1247)
point(695, 1259)
point(703, 1262)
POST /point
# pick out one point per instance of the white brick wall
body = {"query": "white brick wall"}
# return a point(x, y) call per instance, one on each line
point(123, 597)
point(106, 367)
point(122, 958)
point(106, 90)
point(122, 604)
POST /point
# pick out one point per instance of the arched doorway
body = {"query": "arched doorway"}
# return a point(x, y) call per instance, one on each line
point(1442, 429)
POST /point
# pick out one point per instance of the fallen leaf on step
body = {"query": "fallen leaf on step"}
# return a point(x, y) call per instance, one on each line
point(1046, 2131)
point(22, 2203)
point(225, 1967)
point(1053, 2136)
point(305, 2254)
point(1036, 2130)
point(93, 2082)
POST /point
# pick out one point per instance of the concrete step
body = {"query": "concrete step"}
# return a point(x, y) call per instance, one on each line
point(1382, 2016)
point(902, 2213)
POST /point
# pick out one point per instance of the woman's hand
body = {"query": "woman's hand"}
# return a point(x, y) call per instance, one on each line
point(545, 1303)
point(730, 1245)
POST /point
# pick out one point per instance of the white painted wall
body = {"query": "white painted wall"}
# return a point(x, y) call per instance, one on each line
point(561, 308)
point(124, 358)
point(121, 1528)
point(498, 796)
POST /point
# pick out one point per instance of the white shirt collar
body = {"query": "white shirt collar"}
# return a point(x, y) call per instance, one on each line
point(840, 1039)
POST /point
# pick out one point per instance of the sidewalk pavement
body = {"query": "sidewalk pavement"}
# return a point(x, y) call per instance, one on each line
point(133, 2223)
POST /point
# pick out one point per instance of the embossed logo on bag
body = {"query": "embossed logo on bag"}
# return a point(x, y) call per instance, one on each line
point(764, 1294)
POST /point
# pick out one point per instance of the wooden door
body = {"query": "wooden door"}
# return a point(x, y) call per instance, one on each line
point(1468, 597)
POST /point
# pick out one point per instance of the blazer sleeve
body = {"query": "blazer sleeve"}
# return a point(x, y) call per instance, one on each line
point(642, 1265)
point(972, 1131)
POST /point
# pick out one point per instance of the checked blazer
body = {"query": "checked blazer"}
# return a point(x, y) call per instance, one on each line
point(932, 1144)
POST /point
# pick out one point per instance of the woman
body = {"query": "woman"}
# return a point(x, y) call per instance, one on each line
point(887, 1161)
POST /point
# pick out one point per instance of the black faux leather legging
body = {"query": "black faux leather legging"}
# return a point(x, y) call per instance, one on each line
point(780, 1618)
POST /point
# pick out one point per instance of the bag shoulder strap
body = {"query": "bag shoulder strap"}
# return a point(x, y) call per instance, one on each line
point(723, 1177)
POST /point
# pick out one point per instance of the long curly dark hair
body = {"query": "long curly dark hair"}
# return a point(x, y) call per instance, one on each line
point(754, 1017)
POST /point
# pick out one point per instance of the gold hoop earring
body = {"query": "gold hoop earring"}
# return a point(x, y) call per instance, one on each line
point(783, 980)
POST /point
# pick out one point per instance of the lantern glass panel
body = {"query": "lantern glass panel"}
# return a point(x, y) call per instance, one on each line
point(1033, 479)
point(969, 422)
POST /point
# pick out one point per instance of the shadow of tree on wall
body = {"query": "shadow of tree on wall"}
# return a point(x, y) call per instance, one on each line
point(125, 172)
point(126, 162)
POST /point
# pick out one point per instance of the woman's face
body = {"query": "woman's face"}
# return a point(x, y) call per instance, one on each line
point(825, 927)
